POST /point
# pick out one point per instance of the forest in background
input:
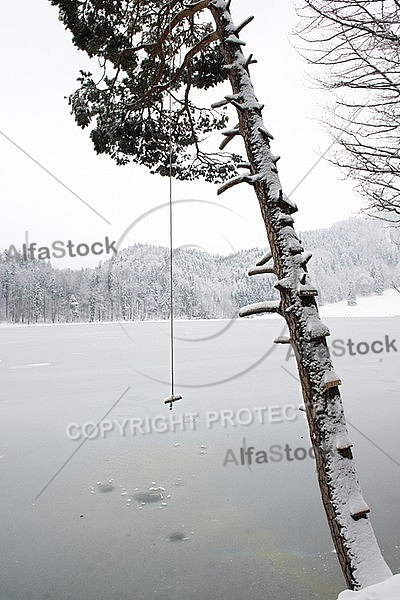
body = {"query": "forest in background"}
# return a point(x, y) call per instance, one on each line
point(356, 257)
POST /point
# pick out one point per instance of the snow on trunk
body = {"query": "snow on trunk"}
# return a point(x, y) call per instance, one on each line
point(347, 513)
point(388, 590)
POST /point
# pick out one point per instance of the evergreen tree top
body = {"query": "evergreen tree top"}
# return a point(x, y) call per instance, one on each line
point(152, 55)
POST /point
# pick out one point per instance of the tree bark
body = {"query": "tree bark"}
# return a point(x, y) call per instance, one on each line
point(356, 546)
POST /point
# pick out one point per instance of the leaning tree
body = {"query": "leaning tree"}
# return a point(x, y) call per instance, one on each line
point(156, 57)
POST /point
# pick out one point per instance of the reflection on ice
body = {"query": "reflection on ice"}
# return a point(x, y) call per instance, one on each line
point(177, 536)
point(151, 496)
point(104, 487)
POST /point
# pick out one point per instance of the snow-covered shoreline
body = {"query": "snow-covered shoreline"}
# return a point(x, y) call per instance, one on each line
point(386, 305)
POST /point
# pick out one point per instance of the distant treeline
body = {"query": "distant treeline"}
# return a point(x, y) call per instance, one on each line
point(352, 258)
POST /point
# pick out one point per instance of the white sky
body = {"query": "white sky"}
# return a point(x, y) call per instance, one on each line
point(39, 67)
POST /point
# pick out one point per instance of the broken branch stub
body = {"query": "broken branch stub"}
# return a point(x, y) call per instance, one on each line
point(270, 306)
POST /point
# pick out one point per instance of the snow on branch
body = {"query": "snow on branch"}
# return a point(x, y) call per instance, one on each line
point(283, 284)
point(232, 39)
point(250, 179)
point(248, 105)
point(242, 25)
point(302, 259)
point(285, 219)
point(331, 379)
point(271, 306)
point(264, 259)
point(288, 232)
point(358, 507)
point(291, 240)
point(220, 103)
point(230, 134)
point(221, 4)
point(274, 190)
point(305, 288)
point(287, 204)
point(261, 271)
point(229, 67)
point(264, 131)
point(316, 329)
point(282, 340)
point(343, 442)
point(294, 246)
point(233, 97)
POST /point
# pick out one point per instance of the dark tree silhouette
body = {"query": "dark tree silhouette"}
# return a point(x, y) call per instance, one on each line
point(356, 47)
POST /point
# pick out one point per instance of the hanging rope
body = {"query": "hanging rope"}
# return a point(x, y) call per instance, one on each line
point(172, 398)
point(171, 274)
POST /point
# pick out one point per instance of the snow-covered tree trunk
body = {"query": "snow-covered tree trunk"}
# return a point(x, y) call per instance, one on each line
point(347, 512)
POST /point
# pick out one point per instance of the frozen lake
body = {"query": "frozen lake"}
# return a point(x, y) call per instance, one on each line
point(103, 530)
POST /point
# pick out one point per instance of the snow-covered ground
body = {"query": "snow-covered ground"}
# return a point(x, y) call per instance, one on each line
point(387, 305)
point(387, 590)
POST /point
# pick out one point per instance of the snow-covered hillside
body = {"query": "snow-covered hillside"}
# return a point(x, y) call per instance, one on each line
point(352, 259)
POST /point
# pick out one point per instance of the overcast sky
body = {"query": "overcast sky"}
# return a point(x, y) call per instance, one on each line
point(39, 66)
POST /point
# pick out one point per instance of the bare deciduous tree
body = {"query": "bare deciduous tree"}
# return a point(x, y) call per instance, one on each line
point(355, 47)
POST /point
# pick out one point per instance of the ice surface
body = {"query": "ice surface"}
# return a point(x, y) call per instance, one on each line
point(251, 526)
